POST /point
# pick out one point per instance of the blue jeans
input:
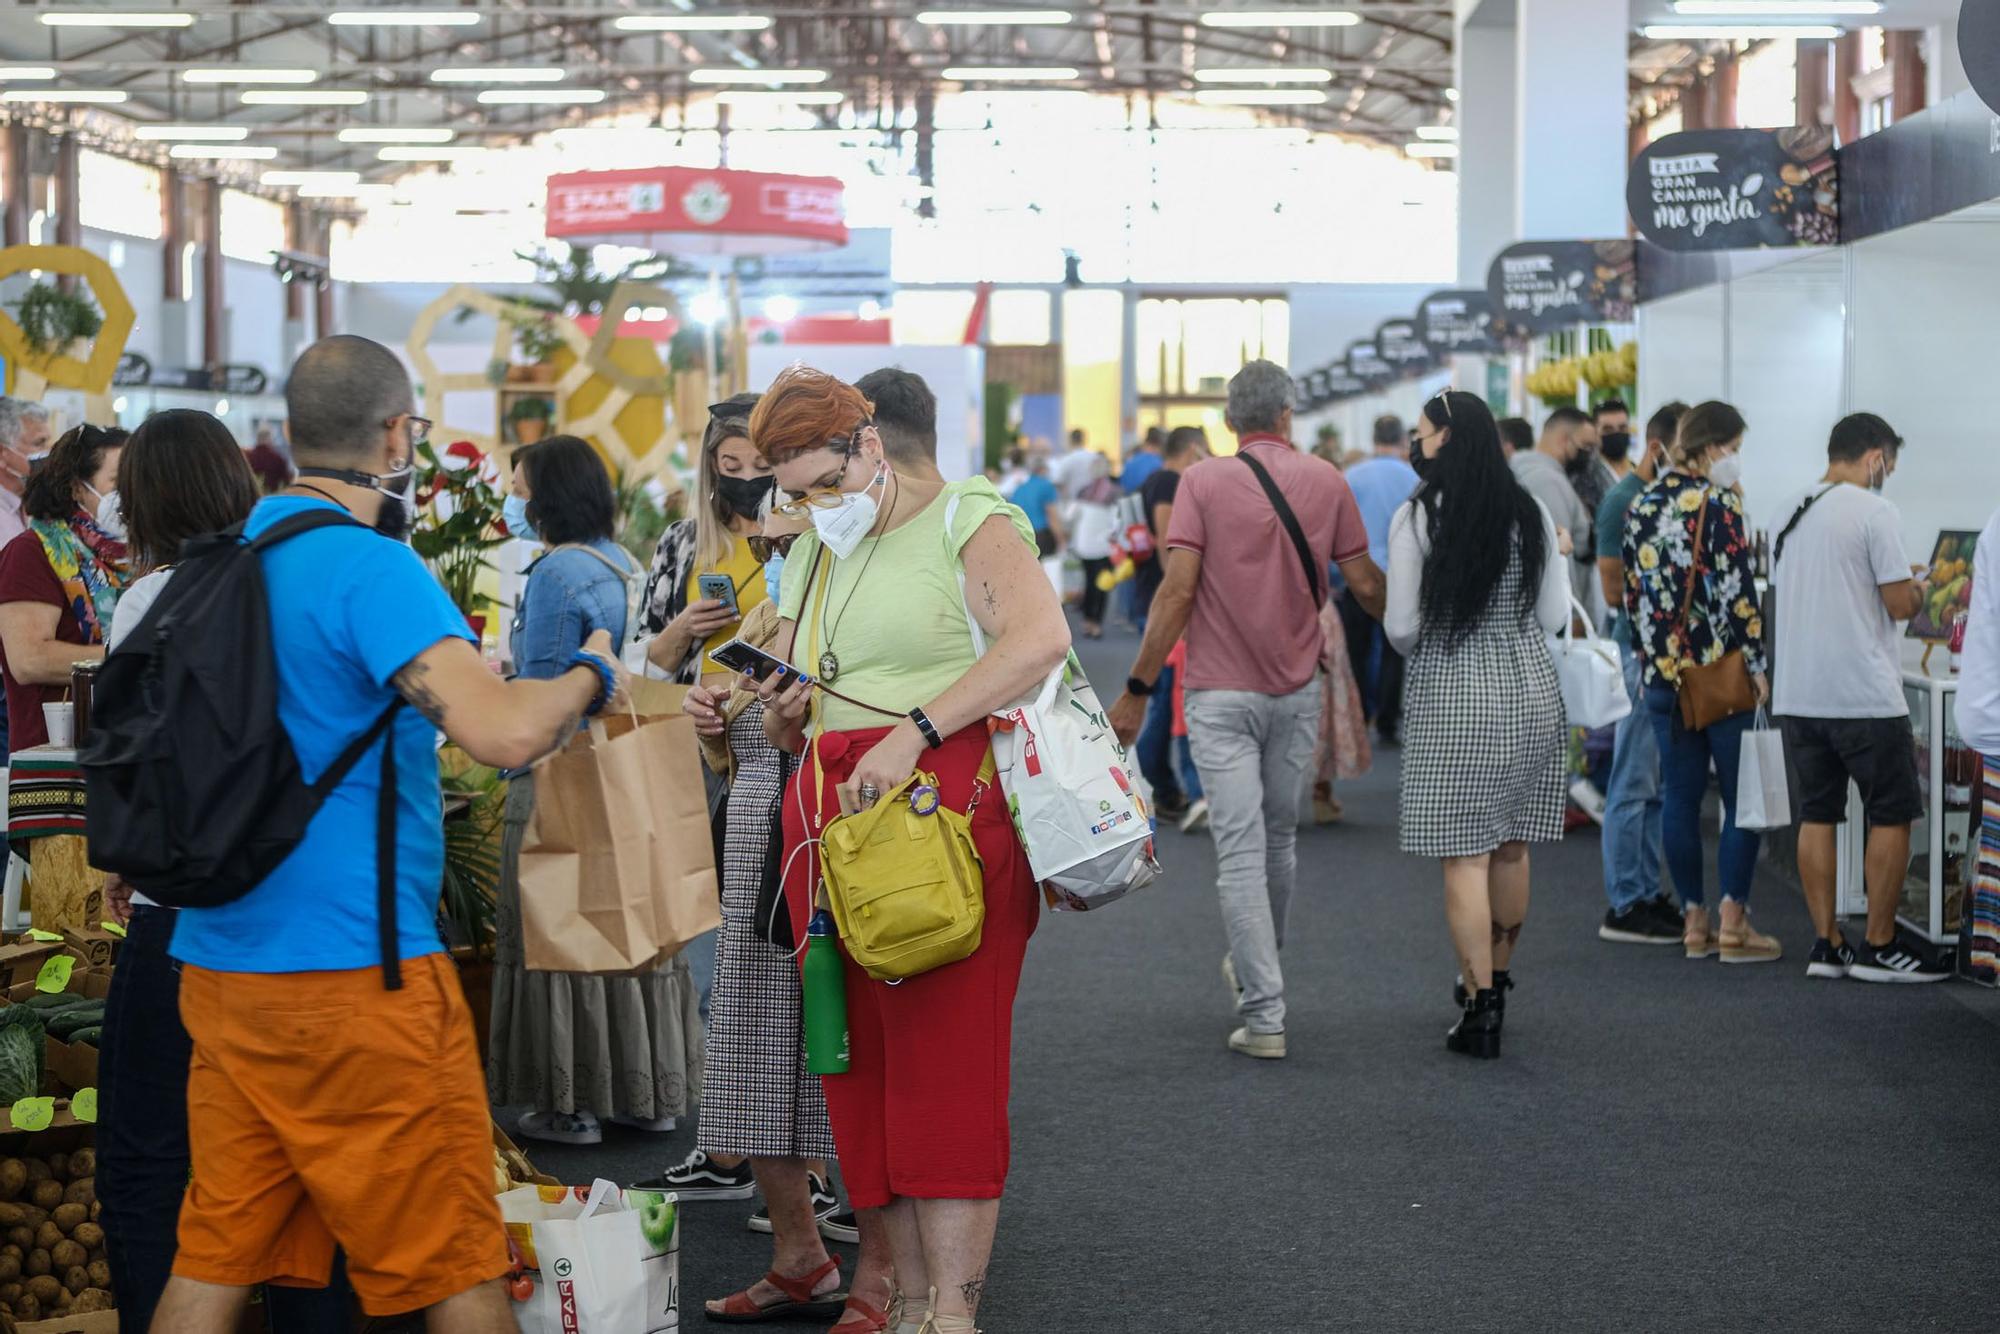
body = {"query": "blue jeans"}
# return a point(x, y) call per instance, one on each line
point(1190, 776)
point(142, 1139)
point(1684, 763)
point(1632, 801)
point(1155, 748)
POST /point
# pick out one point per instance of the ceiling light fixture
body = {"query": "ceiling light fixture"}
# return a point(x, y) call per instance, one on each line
point(373, 135)
point(757, 76)
point(224, 152)
point(781, 309)
point(1260, 97)
point(104, 18)
point(1430, 150)
point(23, 73)
point(1451, 94)
point(1280, 18)
point(248, 74)
point(1738, 32)
point(216, 133)
point(310, 177)
point(740, 97)
point(693, 23)
point(545, 97)
point(98, 96)
point(404, 18)
point(1443, 134)
point(499, 74)
point(1264, 74)
point(459, 154)
point(988, 18)
point(1008, 73)
point(1776, 9)
point(304, 97)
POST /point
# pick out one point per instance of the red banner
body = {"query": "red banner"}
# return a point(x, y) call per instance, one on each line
point(694, 210)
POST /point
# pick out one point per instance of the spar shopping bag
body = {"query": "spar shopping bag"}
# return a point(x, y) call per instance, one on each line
point(617, 865)
point(1588, 670)
point(1069, 786)
point(1763, 792)
point(609, 1261)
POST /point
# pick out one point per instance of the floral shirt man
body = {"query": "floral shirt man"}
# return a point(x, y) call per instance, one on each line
point(1659, 554)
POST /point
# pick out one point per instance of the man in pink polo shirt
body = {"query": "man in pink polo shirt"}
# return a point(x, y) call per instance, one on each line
point(1248, 598)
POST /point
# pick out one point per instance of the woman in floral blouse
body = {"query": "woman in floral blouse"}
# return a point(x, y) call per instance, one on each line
point(1704, 467)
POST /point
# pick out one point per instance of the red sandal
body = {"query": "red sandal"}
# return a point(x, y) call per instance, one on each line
point(873, 1321)
point(800, 1303)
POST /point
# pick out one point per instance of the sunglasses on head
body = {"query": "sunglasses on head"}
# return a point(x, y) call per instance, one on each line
point(763, 548)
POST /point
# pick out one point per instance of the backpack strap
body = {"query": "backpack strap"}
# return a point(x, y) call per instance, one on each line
point(385, 859)
point(305, 521)
point(1778, 547)
point(1292, 529)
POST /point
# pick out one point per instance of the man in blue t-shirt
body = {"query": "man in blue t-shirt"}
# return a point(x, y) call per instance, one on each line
point(325, 1108)
point(1380, 485)
point(1146, 460)
point(1037, 498)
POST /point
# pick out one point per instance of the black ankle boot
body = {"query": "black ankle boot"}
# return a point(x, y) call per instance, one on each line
point(1477, 1032)
point(1503, 982)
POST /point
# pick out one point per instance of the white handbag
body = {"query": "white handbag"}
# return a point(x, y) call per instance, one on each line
point(1069, 786)
point(1587, 668)
point(1763, 790)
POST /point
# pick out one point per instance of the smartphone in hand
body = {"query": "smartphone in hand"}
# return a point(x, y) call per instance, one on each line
point(738, 656)
point(719, 588)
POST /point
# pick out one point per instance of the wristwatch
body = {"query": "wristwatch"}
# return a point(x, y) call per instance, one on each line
point(1134, 686)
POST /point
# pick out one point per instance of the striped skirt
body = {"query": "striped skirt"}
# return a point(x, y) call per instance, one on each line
point(1983, 913)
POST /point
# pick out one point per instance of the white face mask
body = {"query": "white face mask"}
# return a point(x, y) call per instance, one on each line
point(1726, 471)
point(842, 527)
point(108, 517)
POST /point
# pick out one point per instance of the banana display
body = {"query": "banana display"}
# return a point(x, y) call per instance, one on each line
point(1613, 368)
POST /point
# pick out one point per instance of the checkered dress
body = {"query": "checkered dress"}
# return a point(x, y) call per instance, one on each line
point(757, 1097)
point(1484, 743)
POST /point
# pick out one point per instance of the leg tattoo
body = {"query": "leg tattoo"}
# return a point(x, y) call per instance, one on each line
point(1506, 935)
point(972, 1290)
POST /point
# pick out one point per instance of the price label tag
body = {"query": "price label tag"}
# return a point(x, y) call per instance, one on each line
point(83, 1105)
point(55, 973)
point(46, 937)
point(32, 1113)
point(114, 929)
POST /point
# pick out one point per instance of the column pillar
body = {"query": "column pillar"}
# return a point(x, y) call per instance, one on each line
point(212, 353)
point(1909, 80)
point(1487, 208)
point(1722, 95)
point(1815, 70)
point(322, 232)
point(1846, 106)
point(297, 240)
point(1694, 104)
point(175, 235)
point(18, 185)
point(69, 194)
point(1571, 91)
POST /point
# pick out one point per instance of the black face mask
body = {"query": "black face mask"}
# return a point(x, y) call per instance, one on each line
point(1579, 466)
point(1615, 445)
point(744, 495)
point(1420, 462)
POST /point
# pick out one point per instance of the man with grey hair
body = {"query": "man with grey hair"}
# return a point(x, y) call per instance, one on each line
point(1248, 550)
point(338, 947)
point(24, 432)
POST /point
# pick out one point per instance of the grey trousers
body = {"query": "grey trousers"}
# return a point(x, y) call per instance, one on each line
point(1254, 753)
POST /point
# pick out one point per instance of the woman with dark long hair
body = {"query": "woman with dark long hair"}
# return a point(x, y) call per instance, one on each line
point(1475, 584)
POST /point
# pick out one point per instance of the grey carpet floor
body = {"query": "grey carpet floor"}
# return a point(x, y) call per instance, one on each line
point(1666, 1144)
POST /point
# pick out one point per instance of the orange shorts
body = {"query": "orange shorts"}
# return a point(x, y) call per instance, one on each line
point(324, 1110)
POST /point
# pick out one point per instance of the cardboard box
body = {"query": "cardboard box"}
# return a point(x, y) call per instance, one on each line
point(73, 1065)
point(63, 1134)
point(94, 946)
point(93, 1322)
point(21, 959)
point(92, 982)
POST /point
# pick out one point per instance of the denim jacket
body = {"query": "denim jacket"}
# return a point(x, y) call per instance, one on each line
point(570, 594)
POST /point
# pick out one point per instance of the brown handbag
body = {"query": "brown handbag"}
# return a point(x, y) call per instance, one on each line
point(1710, 692)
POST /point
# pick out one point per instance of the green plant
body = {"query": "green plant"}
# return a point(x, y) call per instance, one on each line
point(458, 520)
point(1000, 398)
point(581, 288)
point(531, 408)
point(534, 330)
point(686, 350)
point(471, 887)
point(51, 319)
point(641, 518)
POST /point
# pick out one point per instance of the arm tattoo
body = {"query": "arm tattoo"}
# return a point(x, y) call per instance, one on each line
point(412, 686)
point(992, 603)
point(975, 1287)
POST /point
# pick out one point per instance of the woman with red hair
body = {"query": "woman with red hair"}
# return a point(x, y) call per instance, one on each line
point(883, 588)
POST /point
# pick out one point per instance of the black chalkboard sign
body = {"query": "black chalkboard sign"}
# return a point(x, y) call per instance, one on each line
point(1343, 383)
point(1541, 286)
point(1979, 48)
point(1737, 189)
point(1398, 343)
point(1366, 364)
point(1457, 321)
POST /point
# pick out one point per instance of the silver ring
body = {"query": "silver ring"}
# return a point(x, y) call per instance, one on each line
point(869, 792)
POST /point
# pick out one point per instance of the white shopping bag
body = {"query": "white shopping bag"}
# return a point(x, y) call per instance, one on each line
point(1763, 793)
point(1587, 669)
point(612, 1268)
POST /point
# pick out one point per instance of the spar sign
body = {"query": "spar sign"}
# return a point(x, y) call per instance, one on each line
point(698, 210)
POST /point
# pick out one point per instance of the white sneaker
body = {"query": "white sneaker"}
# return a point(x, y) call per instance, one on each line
point(665, 1125)
point(1196, 817)
point(1588, 799)
point(562, 1127)
point(1229, 977)
point(1263, 1046)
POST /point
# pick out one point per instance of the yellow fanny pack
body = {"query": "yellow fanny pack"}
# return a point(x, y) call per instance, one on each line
point(904, 880)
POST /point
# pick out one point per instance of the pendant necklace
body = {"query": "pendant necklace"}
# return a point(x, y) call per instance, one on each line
point(829, 661)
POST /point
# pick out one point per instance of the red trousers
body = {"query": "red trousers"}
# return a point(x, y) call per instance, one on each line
point(922, 1110)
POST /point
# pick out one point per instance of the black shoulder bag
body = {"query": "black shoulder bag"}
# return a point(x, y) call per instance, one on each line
point(1771, 600)
point(1315, 581)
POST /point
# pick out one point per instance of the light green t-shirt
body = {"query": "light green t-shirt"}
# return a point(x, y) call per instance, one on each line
point(893, 612)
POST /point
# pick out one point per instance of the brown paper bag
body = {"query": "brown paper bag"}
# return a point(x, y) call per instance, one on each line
point(617, 867)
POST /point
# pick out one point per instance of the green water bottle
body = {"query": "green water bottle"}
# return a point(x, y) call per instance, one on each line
point(825, 999)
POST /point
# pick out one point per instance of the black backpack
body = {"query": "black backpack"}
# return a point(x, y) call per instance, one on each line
point(192, 789)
